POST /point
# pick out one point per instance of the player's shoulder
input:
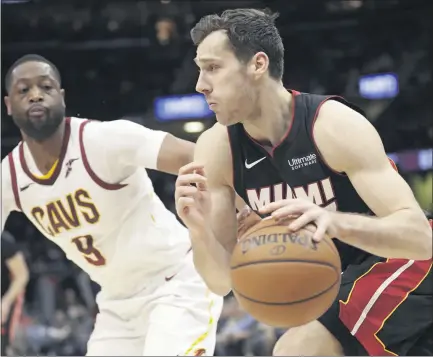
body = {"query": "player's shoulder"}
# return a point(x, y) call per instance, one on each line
point(335, 116)
point(213, 148)
point(215, 136)
point(339, 127)
point(214, 144)
point(104, 128)
point(6, 176)
point(82, 122)
point(333, 105)
point(92, 130)
point(6, 166)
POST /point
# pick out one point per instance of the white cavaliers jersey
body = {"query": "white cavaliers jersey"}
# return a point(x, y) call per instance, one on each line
point(120, 233)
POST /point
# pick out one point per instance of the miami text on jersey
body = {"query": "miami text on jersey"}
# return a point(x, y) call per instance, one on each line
point(320, 192)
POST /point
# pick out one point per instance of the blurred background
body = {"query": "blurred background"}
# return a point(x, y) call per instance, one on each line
point(134, 59)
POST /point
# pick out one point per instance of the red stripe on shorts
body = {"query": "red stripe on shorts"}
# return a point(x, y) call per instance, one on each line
point(376, 295)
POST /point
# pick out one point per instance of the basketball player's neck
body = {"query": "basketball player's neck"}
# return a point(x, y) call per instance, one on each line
point(46, 153)
point(274, 113)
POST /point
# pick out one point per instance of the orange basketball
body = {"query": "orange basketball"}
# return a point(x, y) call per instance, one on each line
point(284, 279)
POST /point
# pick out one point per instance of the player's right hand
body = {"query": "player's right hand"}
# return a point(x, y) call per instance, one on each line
point(193, 203)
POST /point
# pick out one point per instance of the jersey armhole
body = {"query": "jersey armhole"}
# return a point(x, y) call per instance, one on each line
point(92, 174)
point(14, 182)
point(313, 122)
point(342, 101)
point(232, 159)
point(233, 166)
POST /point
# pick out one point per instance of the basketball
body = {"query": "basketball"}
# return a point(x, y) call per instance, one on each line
point(282, 278)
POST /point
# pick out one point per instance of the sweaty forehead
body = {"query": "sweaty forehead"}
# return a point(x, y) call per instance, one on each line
point(214, 46)
point(31, 70)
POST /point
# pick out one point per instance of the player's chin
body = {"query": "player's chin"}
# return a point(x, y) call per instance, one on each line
point(224, 120)
point(38, 120)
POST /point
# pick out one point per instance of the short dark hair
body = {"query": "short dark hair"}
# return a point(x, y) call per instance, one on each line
point(249, 31)
point(29, 58)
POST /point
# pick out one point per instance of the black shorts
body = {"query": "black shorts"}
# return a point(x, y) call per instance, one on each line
point(384, 308)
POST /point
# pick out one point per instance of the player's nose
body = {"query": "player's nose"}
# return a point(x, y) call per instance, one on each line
point(35, 95)
point(202, 86)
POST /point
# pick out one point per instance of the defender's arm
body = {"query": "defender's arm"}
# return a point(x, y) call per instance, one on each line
point(130, 145)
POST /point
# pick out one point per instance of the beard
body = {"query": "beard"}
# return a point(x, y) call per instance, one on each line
point(40, 130)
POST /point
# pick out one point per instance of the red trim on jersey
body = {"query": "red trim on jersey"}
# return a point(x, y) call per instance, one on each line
point(93, 176)
point(391, 161)
point(14, 181)
point(286, 134)
point(232, 159)
point(52, 179)
point(312, 133)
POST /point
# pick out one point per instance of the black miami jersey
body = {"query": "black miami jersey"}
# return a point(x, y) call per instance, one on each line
point(384, 306)
point(294, 168)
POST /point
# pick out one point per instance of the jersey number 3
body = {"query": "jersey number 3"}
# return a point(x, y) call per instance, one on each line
point(85, 245)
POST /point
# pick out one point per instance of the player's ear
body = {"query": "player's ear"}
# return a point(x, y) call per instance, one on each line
point(259, 64)
point(8, 104)
point(62, 92)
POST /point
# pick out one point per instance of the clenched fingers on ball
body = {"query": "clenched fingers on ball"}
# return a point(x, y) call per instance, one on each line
point(190, 168)
point(306, 211)
point(191, 179)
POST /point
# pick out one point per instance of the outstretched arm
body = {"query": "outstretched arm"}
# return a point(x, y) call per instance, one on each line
point(173, 154)
point(130, 145)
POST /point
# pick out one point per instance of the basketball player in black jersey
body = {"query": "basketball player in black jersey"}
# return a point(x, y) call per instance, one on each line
point(318, 158)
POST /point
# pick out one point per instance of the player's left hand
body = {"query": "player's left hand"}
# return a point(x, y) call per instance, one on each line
point(305, 212)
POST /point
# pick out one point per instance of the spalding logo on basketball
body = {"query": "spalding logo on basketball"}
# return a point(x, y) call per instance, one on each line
point(280, 239)
point(284, 278)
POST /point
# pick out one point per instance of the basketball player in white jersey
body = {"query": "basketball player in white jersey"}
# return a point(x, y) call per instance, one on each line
point(84, 185)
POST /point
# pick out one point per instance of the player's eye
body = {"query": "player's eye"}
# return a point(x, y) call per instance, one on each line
point(47, 87)
point(23, 90)
point(212, 68)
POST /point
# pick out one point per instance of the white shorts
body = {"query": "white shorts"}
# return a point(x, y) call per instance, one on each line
point(176, 318)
